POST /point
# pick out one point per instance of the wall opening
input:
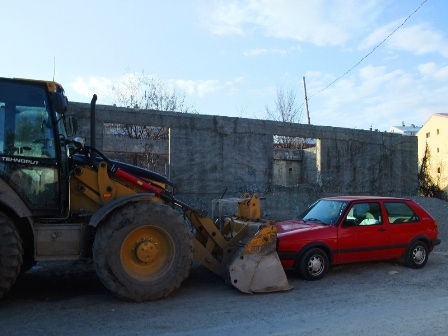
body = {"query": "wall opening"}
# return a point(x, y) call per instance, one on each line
point(140, 145)
point(292, 158)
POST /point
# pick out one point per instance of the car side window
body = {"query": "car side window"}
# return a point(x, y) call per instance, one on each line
point(361, 214)
point(400, 212)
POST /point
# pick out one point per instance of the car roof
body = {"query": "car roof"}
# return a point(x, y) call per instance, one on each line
point(363, 198)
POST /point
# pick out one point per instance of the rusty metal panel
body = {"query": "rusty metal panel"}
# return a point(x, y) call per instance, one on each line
point(63, 241)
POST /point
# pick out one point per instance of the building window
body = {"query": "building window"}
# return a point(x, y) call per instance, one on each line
point(437, 149)
point(437, 131)
point(438, 170)
point(428, 134)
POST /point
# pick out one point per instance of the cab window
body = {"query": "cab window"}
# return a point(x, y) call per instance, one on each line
point(25, 127)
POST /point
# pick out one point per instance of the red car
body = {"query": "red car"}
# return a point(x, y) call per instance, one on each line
point(337, 230)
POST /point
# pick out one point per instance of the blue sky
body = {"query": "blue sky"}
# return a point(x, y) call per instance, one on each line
point(231, 57)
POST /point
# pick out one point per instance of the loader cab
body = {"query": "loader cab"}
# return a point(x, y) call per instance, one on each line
point(33, 151)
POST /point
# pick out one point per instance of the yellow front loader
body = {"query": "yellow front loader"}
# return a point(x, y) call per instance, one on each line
point(240, 248)
point(61, 200)
point(152, 244)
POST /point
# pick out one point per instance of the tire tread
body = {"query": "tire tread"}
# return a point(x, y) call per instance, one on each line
point(11, 254)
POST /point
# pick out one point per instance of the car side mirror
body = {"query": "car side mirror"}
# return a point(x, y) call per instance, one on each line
point(350, 222)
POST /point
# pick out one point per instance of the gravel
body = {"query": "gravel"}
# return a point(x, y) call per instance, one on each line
point(376, 298)
point(438, 209)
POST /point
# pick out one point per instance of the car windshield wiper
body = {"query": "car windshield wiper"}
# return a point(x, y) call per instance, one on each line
point(313, 220)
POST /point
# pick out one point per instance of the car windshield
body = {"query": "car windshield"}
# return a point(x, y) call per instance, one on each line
point(324, 212)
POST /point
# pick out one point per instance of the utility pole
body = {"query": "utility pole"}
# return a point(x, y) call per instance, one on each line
point(306, 101)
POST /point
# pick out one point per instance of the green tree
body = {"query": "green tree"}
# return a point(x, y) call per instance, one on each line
point(426, 186)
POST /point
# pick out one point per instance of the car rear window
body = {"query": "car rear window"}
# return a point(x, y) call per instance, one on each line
point(400, 212)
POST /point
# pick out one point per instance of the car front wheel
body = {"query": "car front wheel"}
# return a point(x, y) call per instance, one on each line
point(417, 255)
point(313, 264)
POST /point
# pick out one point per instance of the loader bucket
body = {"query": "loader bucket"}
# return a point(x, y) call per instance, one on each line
point(256, 267)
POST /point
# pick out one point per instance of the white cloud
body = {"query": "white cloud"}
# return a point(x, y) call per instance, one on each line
point(198, 87)
point(379, 97)
point(378, 35)
point(87, 87)
point(202, 88)
point(255, 52)
point(419, 39)
point(84, 88)
point(223, 19)
point(321, 22)
point(274, 51)
point(432, 71)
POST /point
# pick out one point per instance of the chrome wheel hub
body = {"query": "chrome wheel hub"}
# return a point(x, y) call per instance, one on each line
point(315, 265)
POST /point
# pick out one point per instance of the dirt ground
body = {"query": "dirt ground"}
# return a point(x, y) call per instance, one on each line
point(379, 298)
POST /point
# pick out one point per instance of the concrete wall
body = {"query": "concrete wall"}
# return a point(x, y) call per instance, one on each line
point(211, 154)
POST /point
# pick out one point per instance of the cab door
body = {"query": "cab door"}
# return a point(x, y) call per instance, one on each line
point(28, 154)
point(363, 234)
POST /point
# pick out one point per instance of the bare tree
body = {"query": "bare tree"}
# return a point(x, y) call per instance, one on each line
point(286, 109)
point(149, 93)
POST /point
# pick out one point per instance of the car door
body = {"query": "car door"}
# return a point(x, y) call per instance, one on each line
point(404, 225)
point(362, 234)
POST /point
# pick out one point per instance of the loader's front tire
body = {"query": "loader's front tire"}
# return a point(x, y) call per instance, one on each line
point(11, 251)
point(143, 251)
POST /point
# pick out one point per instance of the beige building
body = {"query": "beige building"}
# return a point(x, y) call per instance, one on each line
point(434, 133)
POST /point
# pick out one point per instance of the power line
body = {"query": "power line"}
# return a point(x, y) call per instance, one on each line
point(362, 59)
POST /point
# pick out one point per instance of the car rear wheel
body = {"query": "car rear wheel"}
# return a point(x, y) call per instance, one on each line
point(417, 255)
point(313, 264)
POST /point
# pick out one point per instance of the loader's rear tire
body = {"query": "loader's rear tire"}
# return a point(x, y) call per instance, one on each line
point(143, 251)
point(10, 254)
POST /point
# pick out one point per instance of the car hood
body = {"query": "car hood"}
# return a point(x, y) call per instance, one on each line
point(295, 226)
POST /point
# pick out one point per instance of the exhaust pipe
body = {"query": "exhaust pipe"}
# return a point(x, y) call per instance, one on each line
point(92, 120)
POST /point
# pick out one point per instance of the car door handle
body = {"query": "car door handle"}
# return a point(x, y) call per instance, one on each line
point(382, 229)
